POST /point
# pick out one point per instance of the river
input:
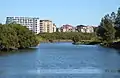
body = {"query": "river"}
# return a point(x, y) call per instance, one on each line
point(61, 60)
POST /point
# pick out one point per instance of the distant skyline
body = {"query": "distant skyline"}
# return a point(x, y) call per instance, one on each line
point(74, 12)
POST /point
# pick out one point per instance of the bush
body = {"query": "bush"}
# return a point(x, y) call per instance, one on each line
point(15, 36)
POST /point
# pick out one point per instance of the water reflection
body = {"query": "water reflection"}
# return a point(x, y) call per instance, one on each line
point(4, 53)
point(61, 60)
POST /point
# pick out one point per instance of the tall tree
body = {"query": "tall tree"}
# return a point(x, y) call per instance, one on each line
point(117, 21)
point(117, 24)
point(113, 18)
point(106, 30)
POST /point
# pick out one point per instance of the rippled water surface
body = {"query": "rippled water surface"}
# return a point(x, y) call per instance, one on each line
point(61, 60)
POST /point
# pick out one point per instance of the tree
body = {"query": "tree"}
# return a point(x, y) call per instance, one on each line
point(76, 39)
point(8, 38)
point(26, 38)
point(113, 18)
point(15, 36)
point(117, 24)
point(117, 20)
point(106, 30)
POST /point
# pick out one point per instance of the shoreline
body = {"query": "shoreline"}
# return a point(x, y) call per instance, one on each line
point(54, 41)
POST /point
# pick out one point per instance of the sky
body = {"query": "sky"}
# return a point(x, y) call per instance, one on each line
point(74, 12)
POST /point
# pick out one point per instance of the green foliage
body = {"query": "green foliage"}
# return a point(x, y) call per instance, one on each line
point(117, 21)
point(76, 38)
point(66, 35)
point(117, 34)
point(117, 24)
point(16, 36)
point(106, 30)
point(8, 37)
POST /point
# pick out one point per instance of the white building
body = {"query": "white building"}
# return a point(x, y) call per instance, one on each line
point(85, 29)
point(54, 27)
point(31, 23)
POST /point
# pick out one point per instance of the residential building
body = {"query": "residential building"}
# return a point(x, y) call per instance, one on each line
point(46, 26)
point(67, 28)
point(58, 30)
point(54, 27)
point(30, 23)
point(85, 29)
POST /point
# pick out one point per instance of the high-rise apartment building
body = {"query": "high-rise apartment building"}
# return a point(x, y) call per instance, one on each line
point(34, 24)
point(46, 26)
point(31, 23)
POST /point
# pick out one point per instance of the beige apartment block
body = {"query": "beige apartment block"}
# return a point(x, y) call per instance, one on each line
point(46, 26)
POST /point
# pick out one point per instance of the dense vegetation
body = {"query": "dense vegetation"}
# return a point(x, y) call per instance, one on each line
point(109, 30)
point(67, 36)
point(15, 36)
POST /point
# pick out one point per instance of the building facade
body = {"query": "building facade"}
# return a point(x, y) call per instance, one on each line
point(34, 24)
point(46, 26)
point(67, 28)
point(54, 27)
point(85, 29)
point(30, 23)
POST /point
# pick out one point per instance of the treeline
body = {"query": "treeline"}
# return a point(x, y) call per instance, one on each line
point(15, 36)
point(109, 29)
point(107, 32)
point(67, 36)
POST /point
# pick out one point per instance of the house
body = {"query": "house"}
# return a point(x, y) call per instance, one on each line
point(67, 28)
point(85, 29)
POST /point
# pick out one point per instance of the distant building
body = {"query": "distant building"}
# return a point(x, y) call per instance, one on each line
point(30, 23)
point(34, 24)
point(54, 27)
point(67, 28)
point(58, 30)
point(46, 26)
point(85, 29)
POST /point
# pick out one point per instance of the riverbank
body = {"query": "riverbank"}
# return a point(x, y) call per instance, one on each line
point(54, 41)
point(85, 42)
point(115, 45)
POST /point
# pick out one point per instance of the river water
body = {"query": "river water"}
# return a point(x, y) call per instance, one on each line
point(61, 60)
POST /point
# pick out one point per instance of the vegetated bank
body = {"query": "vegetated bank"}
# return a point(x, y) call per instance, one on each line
point(16, 36)
point(66, 36)
point(108, 31)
